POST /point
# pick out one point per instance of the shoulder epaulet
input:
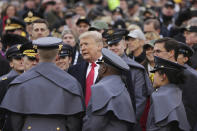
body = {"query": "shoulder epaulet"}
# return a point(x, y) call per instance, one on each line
point(4, 78)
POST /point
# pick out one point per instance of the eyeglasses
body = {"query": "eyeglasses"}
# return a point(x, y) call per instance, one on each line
point(158, 51)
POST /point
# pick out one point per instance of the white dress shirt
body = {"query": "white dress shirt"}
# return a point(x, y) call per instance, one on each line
point(96, 68)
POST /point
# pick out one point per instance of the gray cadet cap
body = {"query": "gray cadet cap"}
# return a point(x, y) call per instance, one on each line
point(113, 60)
point(47, 43)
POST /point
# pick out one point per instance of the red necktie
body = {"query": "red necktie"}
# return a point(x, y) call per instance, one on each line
point(89, 82)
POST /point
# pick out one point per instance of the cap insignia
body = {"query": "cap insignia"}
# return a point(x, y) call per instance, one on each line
point(30, 14)
point(60, 47)
point(18, 47)
point(8, 21)
point(35, 46)
point(4, 78)
point(110, 32)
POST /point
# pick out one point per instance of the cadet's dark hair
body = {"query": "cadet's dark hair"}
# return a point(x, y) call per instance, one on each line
point(174, 76)
point(169, 44)
point(155, 22)
point(189, 60)
point(41, 21)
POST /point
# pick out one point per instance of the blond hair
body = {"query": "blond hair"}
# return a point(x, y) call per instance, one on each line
point(152, 36)
point(92, 34)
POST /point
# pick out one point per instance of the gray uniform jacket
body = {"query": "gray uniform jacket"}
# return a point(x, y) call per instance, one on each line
point(45, 98)
point(141, 83)
point(12, 73)
point(110, 107)
point(167, 108)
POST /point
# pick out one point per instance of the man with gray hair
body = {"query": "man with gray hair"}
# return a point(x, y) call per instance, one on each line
point(136, 40)
point(68, 37)
point(86, 72)
point(191, 40)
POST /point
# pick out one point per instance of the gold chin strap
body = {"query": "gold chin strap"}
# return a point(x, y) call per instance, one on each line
point(151, 76)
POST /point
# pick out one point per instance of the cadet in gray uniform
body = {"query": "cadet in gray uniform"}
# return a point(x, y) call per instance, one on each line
point(14, 56)
point(64, 57)
point(167, 112)
point(110, 107)
point(44, 98)
point(29, 53)
point(138, 78)
point(184, 54)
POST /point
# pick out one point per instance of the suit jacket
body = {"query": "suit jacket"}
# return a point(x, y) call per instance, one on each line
point(44, 98)
point(167, 108)
point(110, 107)
point(79, 72)
point(189, 94)
point(194, 57)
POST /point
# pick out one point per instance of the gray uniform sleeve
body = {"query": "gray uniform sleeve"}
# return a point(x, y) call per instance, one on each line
point(140, 89)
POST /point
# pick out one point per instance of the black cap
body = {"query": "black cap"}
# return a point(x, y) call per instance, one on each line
point(185, 49)
point(31, 16)
point(13, 51)
point(113, 60)
point(149, 10)
point(169, 4)
point(132, 3)
point(115, 35)
point(48, 2)
point(163, 64)
point(28, 49)
point(80, 4)
point(65, 50)
point(191, 28)
point(14, 23)
point(69, 14)
point(119, 24)
point(117, 10)
point(12, 39)
point(47, 43)
point(83, 19)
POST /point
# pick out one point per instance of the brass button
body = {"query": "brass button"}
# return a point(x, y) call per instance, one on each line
point(58, 129)
point(29, 127)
